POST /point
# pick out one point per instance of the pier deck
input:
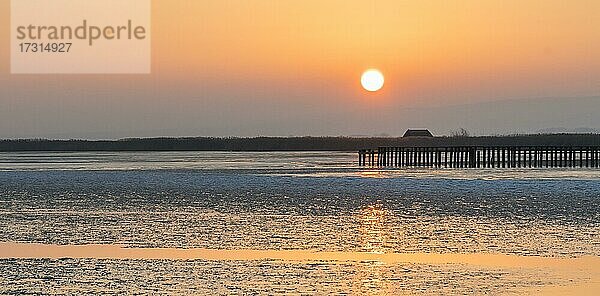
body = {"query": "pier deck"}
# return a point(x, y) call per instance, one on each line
point(482, 157)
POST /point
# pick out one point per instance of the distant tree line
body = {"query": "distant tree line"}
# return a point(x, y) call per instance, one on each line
point(292, 143)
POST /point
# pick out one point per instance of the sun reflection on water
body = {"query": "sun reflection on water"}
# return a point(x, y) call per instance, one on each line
point(373, 221)
point(374, 234)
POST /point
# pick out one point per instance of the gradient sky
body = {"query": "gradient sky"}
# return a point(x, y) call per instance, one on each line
point(258, 67)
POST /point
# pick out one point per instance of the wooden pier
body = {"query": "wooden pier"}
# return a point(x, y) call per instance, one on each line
point(482, 157)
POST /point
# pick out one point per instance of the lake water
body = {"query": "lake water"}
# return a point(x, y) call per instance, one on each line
point(298, 223)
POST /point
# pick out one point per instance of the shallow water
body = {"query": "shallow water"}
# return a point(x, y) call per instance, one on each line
point(317, 201)
point(82, 276)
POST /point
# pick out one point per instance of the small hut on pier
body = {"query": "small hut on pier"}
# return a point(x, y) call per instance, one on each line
point(417, 133)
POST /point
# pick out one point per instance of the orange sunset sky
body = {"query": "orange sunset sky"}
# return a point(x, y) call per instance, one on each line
point(259, 67)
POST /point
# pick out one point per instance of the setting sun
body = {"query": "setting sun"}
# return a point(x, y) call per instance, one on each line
point(372, 80)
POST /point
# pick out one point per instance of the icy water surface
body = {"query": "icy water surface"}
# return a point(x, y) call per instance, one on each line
point(317, 201)
point(97, 276)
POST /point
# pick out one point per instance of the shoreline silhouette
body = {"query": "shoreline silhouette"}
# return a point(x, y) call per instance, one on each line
point(308, 143)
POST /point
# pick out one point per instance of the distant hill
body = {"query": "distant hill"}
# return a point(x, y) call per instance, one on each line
point(562, 130)
point(522, 116)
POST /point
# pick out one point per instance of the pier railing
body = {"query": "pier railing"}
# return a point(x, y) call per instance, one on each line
point(482, 157)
